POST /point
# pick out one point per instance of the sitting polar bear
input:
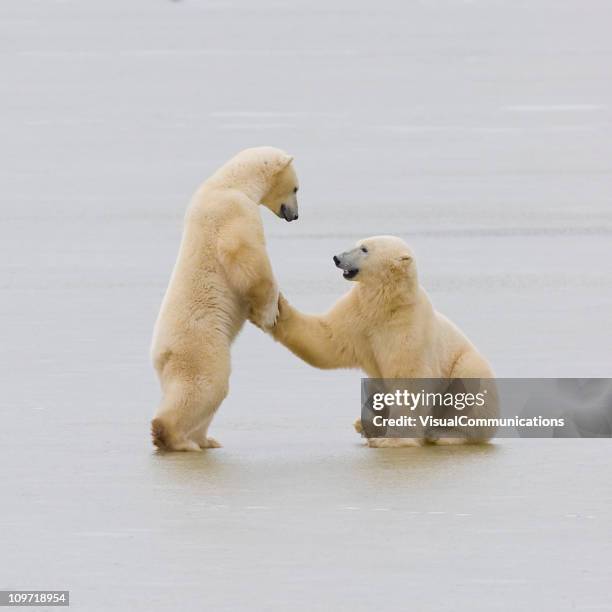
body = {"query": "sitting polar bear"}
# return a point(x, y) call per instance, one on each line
point(222, 277)
point(387, 326)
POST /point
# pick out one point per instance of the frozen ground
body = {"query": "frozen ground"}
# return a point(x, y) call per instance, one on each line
point(479, 131)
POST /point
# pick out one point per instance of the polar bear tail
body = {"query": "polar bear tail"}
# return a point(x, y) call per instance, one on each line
point(159, 434)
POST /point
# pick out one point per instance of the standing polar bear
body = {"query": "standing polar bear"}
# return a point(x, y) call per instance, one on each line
point(387, 326)
point(222, 277)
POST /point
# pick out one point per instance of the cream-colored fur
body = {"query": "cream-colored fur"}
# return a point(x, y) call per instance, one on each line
point(222, 277)
point(385, 325)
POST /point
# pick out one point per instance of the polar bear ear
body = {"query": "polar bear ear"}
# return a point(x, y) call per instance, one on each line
point(404, 261)
point(401, 264)
point(278, 164)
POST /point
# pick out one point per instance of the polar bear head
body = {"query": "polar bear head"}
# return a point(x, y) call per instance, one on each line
point(266, 175)
point(377, 259)
point(281, 197)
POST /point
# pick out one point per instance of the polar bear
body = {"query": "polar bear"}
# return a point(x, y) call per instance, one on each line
point(387, 326)
point(222, 276)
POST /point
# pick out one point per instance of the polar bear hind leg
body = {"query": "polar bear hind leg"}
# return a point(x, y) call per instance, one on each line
point(188, 407)
point(471, 365)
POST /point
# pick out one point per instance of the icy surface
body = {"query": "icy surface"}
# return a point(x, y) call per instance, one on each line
point(478, 131)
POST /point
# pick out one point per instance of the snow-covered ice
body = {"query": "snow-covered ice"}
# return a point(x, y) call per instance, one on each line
point(481, 132)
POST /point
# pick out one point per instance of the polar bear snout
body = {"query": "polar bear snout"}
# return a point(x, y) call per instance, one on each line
point(345, 262)
point(339, 261)
point(288, 213)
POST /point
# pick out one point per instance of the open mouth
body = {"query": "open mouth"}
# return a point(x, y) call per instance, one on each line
point(352, 273)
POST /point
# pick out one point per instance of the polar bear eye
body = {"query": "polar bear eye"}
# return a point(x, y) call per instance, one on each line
point(295, 190)
point(364, 250)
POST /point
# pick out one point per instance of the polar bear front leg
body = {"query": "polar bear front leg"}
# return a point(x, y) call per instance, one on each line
point(249, 272)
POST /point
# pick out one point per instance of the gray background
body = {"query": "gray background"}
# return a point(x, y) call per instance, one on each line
point(478, 131)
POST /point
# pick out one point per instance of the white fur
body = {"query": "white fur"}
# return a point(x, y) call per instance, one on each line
point(385, 325)
point(222, 277)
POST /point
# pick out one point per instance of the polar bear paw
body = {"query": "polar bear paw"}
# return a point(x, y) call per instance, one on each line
point(203, 441)
point(394, 442)
point(358, 426)
point(175, 444)
point(165, 438)
point(268, 317)
point(209, 443)
point(449, 441)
